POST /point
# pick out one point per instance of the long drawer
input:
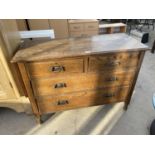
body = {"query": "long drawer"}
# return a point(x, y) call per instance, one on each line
point(113, 61)
point(55, 67)
point(82, 99)
point(80, 82)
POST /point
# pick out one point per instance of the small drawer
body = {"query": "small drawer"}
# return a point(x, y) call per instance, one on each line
point(55, 67)
point(113, 61)
point(91, 27)
point(81, 82)
point(82, 99)
point(76, 27)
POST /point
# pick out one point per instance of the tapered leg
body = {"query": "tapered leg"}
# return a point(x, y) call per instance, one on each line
point(126, 106)
point(38, 119)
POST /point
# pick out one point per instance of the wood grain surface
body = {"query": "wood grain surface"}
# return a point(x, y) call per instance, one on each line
point(82, 99)
point(80, 82)
point(72, 47)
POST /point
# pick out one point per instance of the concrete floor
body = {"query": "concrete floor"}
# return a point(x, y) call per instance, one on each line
point(136, 120)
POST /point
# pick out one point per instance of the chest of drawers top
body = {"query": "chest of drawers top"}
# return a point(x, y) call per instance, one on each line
point(74, 47)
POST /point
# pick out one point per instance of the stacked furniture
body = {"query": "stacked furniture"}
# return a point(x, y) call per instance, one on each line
point(80, 72)
point(83, 27)
point(112, 28)
point(60, 26)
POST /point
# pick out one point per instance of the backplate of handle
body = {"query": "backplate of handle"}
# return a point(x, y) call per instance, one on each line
point(60, 85)
point(109, 95)
point(57, 68)
point(62, 102)
point(111, 79)
point(112, 63)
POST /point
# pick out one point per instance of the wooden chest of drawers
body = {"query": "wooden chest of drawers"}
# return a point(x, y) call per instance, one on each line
point(73, 73)
point(83, 27)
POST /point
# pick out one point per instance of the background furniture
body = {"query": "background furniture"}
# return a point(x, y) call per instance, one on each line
point(80, 72)
point(11, 90)
point(60, 26)
point(112, 28)
point(83, 27)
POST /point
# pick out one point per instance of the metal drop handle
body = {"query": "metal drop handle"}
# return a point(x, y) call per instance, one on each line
point(57, 68)
point(62, 102)
point(60, 85)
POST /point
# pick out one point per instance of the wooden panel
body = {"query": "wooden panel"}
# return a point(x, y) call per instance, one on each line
point(113, 61)
point(76, 27)
point(110, 30)
point(28, 87)
point(90, 33)
point(91, 26)
point(21, 23)
point(10, 34)
point(82, 99)
point(123, 29)
point(38, 24)
point(83, 34)
point(60, 27)
point(9, 42)
point(74, 21)
point(80, 82)
point(62, 48)
point(6, 91)
point(57, 67)
point(142, 53)
point(76, 34)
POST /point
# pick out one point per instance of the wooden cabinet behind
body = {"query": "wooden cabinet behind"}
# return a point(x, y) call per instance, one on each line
point(38, 24)
point(63, 28)
point(11, 91)
point(60, 26)
point(83, 27)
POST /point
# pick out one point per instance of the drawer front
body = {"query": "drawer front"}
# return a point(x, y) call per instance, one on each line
point(53, 68)
point(74, 83)
point(83, 34)
point(113, 61)
point(76, 34)
point(91, 26)
point(82, 99)
point(76, 27)
point(90, 33)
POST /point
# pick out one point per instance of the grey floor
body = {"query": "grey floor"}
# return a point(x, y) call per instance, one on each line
point(135, 121)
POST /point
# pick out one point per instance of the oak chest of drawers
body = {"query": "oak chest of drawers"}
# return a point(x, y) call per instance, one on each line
point(73, 73)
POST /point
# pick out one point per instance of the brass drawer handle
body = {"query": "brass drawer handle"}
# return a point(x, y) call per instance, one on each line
point(109, 95)
point(57, 68)
point(60, 85)
point(112, 64)
point(111, 79)
point(62, 102)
